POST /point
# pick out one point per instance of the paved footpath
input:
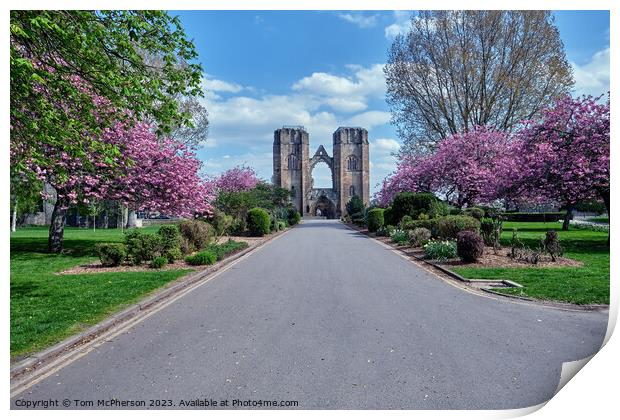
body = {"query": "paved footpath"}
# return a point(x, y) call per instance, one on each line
point(330, 318)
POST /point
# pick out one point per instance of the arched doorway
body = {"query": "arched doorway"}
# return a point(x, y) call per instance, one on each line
point(325, 207)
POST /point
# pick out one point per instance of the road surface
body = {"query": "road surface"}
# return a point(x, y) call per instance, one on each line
point(326, 317)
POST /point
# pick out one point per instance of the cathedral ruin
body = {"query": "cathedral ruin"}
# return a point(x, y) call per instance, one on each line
point(349, 166)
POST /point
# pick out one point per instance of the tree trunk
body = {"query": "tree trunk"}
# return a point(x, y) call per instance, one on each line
point(57, 227)
point(132, 217)
point(14, 217)
point(94, 223)
point(568, 217)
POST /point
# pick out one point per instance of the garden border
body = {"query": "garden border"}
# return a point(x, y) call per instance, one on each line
point(116, 321)
point(467, 282)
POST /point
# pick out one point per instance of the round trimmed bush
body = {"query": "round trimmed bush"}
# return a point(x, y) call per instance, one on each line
point(412, 204)
point(159, 262)
point(142, 246)
point(448, 227)
point(405, 220)
point(419, 236)
point(438, 208)
point(293, 216)
point(388, 217)
point(197, 234)
point(258, 221)
point(111, 255)
point(220, 222)
point(170, 241)
point(475, 212)
point(490, 230)
point(469, 246)
point(201, 258)
point(375, 219)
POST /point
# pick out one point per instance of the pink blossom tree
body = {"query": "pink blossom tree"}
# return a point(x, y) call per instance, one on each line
point(129, 164)
point(411, 175)
point(563, 156)
point(462, 169)
point(161, 175)
point(239, 178)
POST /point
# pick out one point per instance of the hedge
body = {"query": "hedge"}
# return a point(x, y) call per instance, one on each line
point(534, 217)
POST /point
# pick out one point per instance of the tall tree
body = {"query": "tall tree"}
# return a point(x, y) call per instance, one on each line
point(455, 70)
point(76, 73)
point(563, 155)
point(196, 131)
point(463, 169)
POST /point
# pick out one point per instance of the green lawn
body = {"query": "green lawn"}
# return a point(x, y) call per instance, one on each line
point(599, 219)
point(46, 307)
point(582, 285)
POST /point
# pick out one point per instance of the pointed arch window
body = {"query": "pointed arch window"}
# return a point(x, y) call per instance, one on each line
point(293, 162)
point(351, 191)
point(352, 163)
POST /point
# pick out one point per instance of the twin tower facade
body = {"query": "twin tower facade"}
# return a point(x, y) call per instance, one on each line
point(293, 165)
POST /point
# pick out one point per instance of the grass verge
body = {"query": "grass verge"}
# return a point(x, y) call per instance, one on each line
point(598, 219)
point(588, 284)
point(46, 307)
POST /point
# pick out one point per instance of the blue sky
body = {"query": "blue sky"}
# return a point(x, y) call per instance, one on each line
point(323, 69)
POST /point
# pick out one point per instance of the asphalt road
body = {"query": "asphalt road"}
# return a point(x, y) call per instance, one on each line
point(331, 319)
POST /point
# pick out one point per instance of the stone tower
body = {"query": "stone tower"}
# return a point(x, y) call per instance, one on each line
point(350, 168)
point(291, 147)
point(351, 165)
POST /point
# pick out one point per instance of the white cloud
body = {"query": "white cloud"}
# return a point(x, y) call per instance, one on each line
point(385, 145)
point(592, 78)
point(242, 120)
point(216, 85)
point(400, 26)
point(352, 104)
point(261, 162)
point(370, 119)
point(383, 160)
point(359, 19)
point(342, 93)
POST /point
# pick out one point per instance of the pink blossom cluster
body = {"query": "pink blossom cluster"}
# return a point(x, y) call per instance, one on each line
point(161, 175)
point(144, 173)
point(239, 178)
point(562, 157)
point(462, 168)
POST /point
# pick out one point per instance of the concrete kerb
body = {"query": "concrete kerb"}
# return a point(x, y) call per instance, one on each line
point(45, 356)
point(509, 283)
